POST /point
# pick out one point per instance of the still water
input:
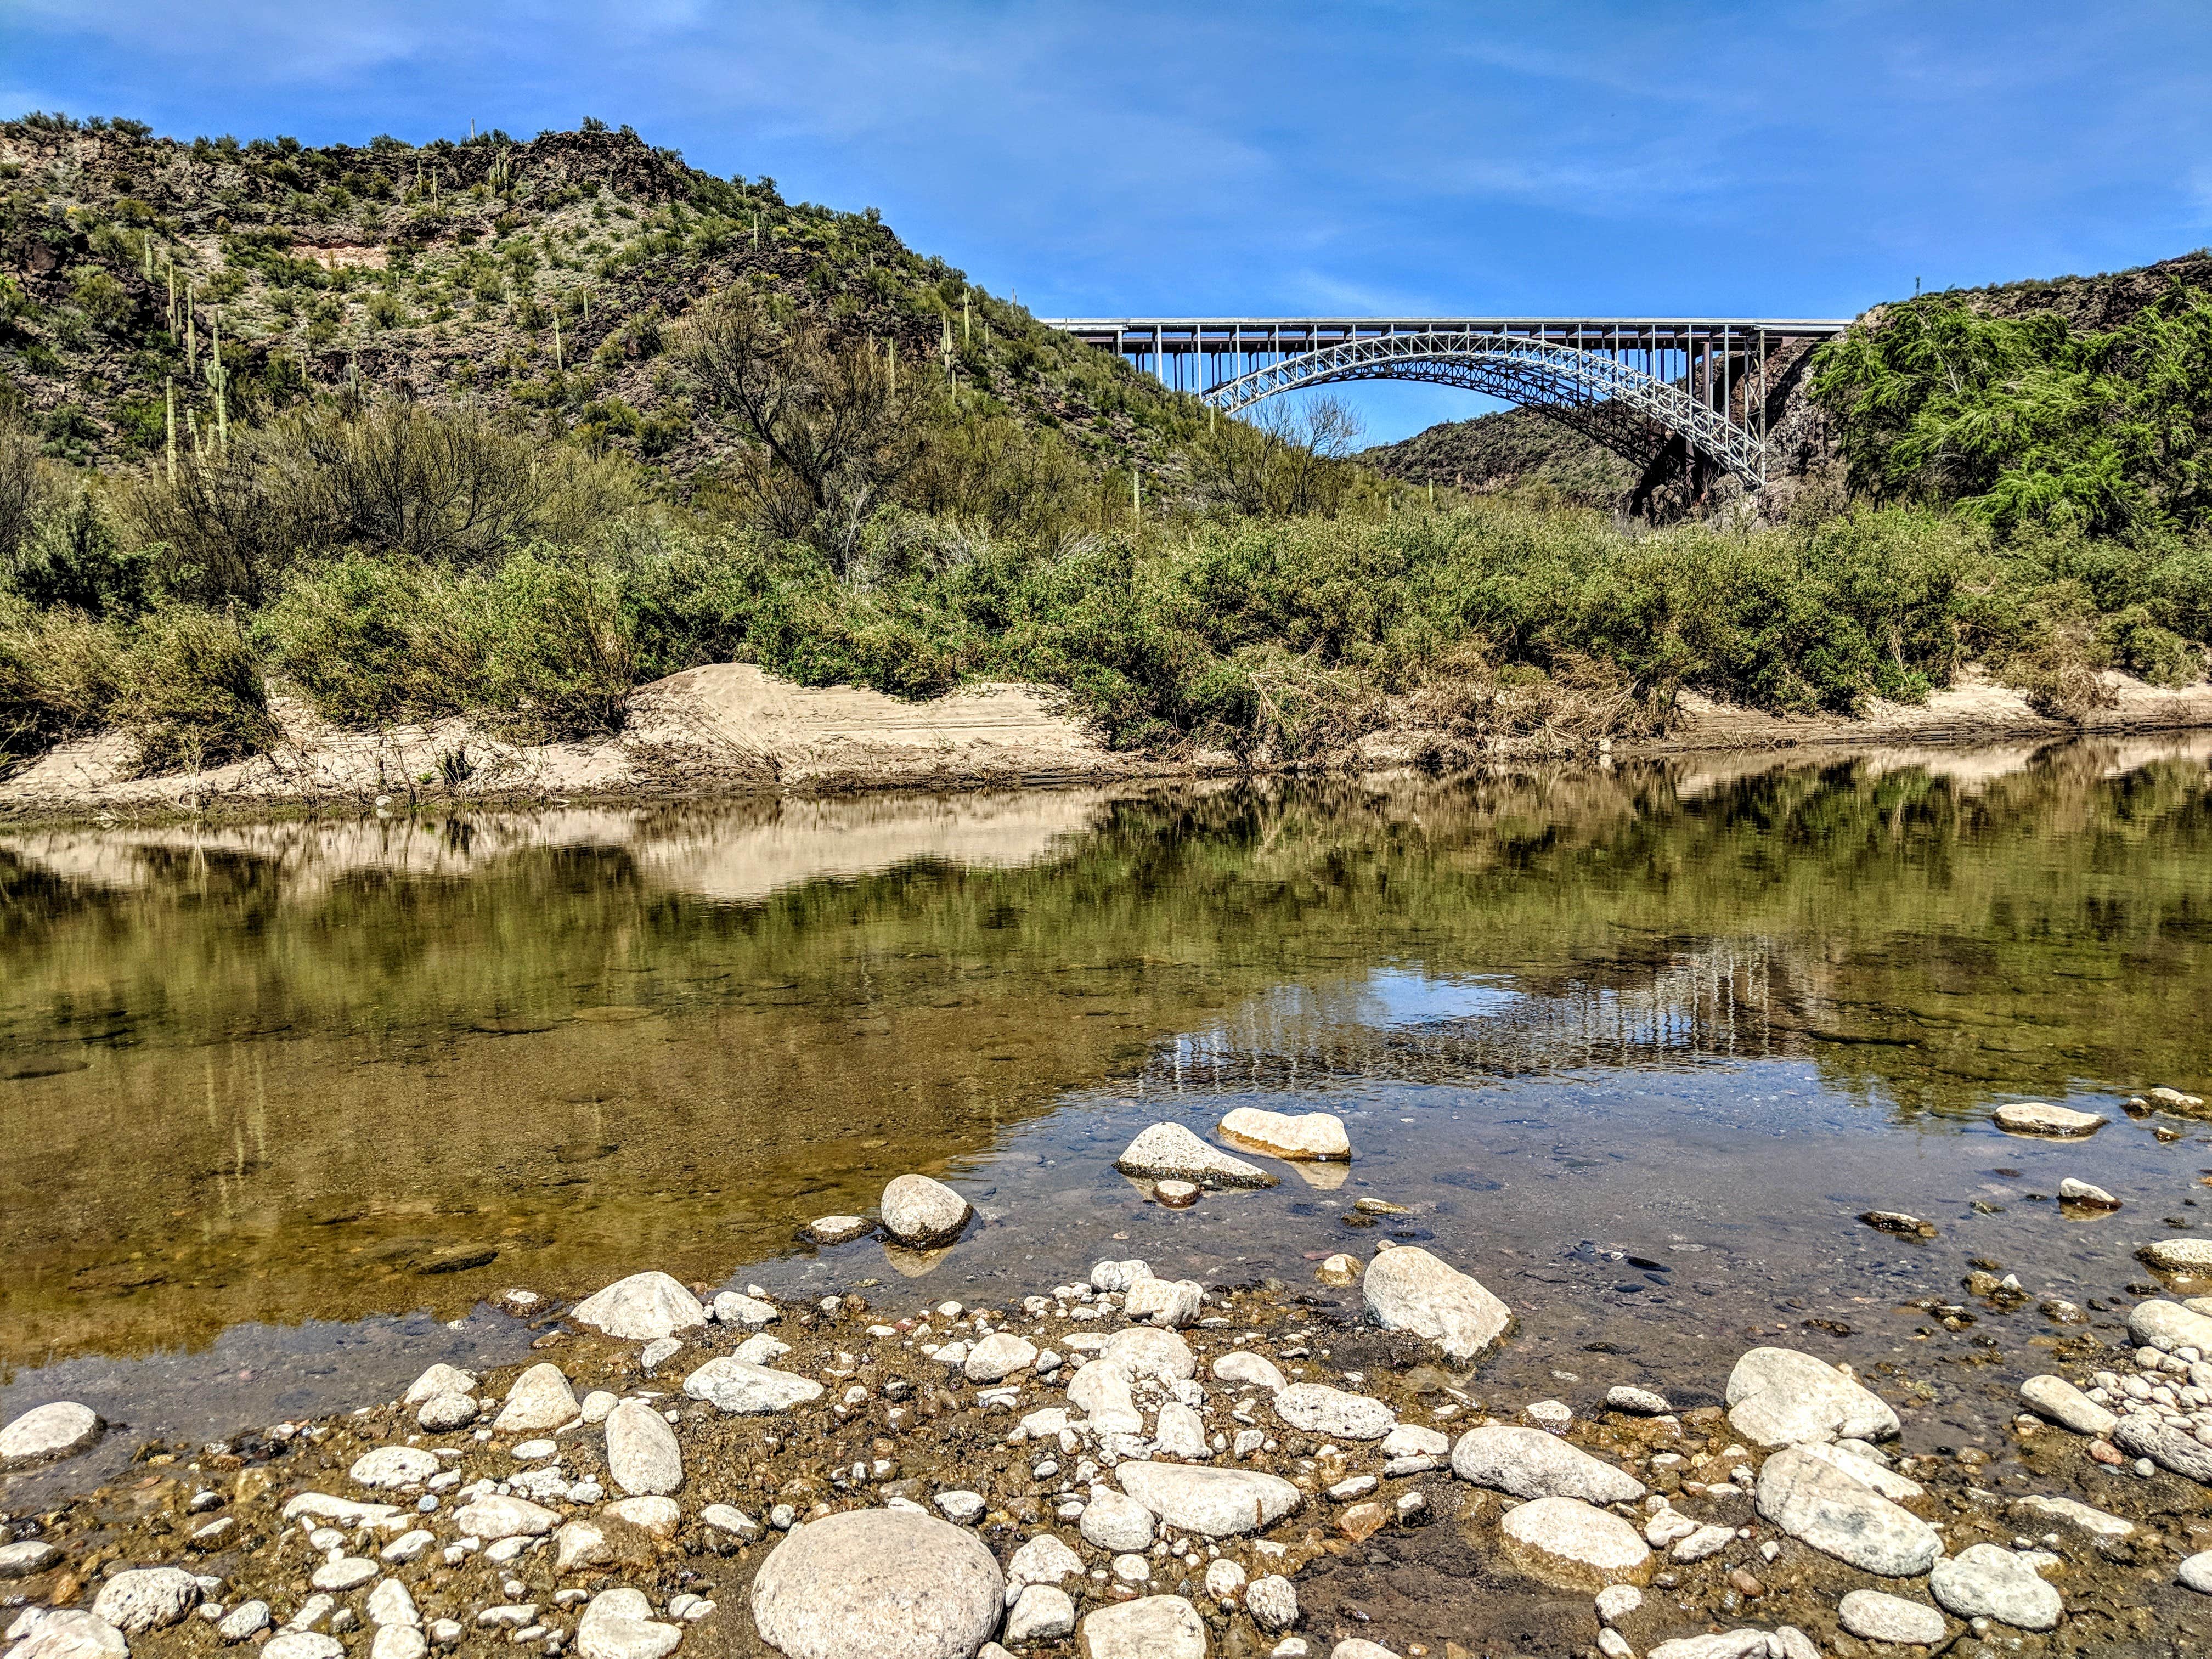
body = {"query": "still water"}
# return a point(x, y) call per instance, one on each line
point(282, 1108)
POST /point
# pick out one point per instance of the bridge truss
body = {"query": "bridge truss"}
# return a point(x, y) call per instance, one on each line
point(1624, 382)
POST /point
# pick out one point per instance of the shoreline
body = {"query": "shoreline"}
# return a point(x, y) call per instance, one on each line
point(730, 732)
point(1133, 1465)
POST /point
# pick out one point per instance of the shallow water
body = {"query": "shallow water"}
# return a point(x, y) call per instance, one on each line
point(282, 1107)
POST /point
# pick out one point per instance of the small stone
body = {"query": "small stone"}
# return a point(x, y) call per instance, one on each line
point(1146, 1351)
point(1616, 1602)
point(439, 1379)
point(1150, 1627)
point(492, 1517)
point(394, 1465)
point(642, 1455)
point(1876, 1616)
point(1640, 1402)
point(1985, 1582)
point(1823, 1505)
point(870, 1582)
point(1407, 1289)
point(998, 1356)
point(147, 1599)
point(840, 1229)
point(1780, 1397)
point(727, 1517)
point(1574, 1545)
point(31, 1556)
point(731, 1385)
point(1246, 1369)
point(1213, 1503)
point(65, 1633)
point(2032, 1117)
point(1303, 1135)
point(442, 1414)
point(48, 1432)
point(1044, 1612)
point(1273, 1601)
point(1224, 1580)
point(962, 1508)
point(650, 1513)
point(2064, 1404)
point(750, 1311)
point(1116, 1522)
point(343, 1573)
point(398, 1641)
point(2173, 1099)
point(2067, 1511)
point(2081, 1192)
point(619, 1624)
point(245, 1620)
point(540, 1399)
point(1117, 1276)
point(1319, 1409)
point(1896, 1221)
point(390, 1603)
point(920, 1213)
point(1177, 1194)
point(2178, 1256)
point(1530, 1464)
point(1043, 1560)
point(2195, 1573)
point(302, 1645)
point(642, 1308)
point(1339, 1270)
point(1170, 1151)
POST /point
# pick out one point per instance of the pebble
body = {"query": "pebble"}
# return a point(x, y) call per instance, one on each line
point(1303, 1135)
point(642, 1455)
point(1177, 1195)
point(2068, 1512)
point(540, 1399)
point(1877, 1616)
point(727, 1517)
point(1169, 1303)
point(840, 1229)
point(920, 1213)
point(998, 1356)
point(1339, 1270)
point(1043, 1561)
point(656, 1515)
point(962, 1508)
point(640, 1309)
point(1170, 1151)
point(442, 1414)
point(1273, 1601)
point(146, 1599)
point(619, 1624)
point(2033, 1117)
point(389, 1603)
point(1407, 1289)
point(441, 1378)
point(302, 1645)
point(1213, 1503)
point(870, 1582)
point(1824, 1506)
point(1640, 1402)
point(1575, 1546)
point(492, 1517)
point(1151, 1627)
point(30, 1556)
point(45, 1433)
point(344, 1572)
point(1117, 1276)
point(398, 1641)
point(1113, 1521)
point(1616, 1602)
point(1531, 1463)
point(1781, 1397)
point(1986, 1581)
point(2195, 1573)
point(731, 1385)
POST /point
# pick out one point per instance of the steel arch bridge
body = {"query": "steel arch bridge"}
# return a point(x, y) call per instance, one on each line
point(1617, 381)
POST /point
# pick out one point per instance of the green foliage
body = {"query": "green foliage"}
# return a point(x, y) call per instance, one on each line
point(191, 693)
point(2020, 421)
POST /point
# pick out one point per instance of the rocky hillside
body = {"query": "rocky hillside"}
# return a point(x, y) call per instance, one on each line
point(540, 279)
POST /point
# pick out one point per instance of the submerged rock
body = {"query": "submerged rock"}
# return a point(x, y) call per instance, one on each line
point(1575, 1546)
point(642, 1308)
point(1170, 1152)
point(840, 1229)
point(1896, 1221)
point(1780, 1397)
point(1318, 1136)
point(2178, 1256)
point(870, 1582)
point(1409, 1289)
point(2033, 1117)
point(919, 1213)
point(2071, 1191)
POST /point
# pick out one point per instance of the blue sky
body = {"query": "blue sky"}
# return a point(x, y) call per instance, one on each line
point(1775, 159)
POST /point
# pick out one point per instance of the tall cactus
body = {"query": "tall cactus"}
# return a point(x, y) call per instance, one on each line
point(169, 395)
point(218, 379)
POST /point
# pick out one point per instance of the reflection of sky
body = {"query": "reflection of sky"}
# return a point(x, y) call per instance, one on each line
point(1396, 997)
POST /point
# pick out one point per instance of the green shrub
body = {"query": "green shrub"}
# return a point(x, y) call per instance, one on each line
point(191, 693)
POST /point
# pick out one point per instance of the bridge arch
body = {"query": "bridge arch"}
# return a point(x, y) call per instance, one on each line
point(1612, 402)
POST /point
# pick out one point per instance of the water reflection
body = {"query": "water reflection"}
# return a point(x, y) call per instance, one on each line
point(314, 1072)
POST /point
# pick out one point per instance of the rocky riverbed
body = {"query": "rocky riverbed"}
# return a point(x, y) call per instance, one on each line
point(1139, 1466)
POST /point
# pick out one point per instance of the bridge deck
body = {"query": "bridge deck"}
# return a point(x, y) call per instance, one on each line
point(1177, 335)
